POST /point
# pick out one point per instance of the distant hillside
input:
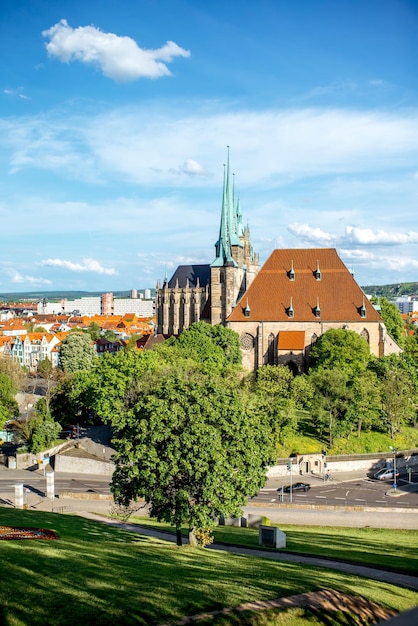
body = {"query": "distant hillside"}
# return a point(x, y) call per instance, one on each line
point(392, 291)
point(35, 296)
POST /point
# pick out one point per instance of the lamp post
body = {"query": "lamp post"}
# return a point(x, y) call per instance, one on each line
point(394, 450)
point(290, 468)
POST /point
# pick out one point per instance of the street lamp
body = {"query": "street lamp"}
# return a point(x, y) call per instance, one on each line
point(394, 450)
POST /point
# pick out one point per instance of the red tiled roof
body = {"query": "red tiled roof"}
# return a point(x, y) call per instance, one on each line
point(291, 340)
point(270, 294)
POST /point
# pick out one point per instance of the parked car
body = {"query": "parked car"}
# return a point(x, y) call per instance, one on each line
point(295, 487)
point(72, 431)
point(386, 474)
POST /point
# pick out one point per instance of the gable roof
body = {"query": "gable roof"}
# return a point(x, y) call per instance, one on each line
point(272, 291)
point(291, 340)
point(192, 273)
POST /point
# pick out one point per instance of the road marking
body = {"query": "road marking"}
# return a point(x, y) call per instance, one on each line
point(339, 498)
point(384, 501)
point(359, 500)
point(320, 496)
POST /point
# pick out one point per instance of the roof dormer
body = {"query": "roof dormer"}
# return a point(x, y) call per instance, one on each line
point(247, 310)
point(362, 310)
point(317, 272)
point(291, 273)
point(317, 310)
point(290, 311)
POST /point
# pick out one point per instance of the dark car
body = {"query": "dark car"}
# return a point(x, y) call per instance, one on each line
point(72, 431)
point(295, 487)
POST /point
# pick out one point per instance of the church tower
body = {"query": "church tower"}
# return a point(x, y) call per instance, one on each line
point(235, 265)
point(209, 292)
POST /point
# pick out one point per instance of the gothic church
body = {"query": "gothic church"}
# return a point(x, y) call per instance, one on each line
point(279, 310)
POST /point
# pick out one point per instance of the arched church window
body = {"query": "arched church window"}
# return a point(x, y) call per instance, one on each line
point(271, 351)
point(365, 334)
point(247, 341)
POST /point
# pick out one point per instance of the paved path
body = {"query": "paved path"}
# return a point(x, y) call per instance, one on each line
point(402, 580)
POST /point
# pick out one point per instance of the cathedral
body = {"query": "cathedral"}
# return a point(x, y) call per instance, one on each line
point(279, 310)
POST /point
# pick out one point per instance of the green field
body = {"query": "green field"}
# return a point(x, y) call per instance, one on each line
point(391, 549)
point(98, 575)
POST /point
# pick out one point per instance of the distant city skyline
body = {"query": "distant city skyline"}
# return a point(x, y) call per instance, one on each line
point(115, 118)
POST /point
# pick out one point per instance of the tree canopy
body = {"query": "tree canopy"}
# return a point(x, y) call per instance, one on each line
point(190, 448)
point(8, 405)
point(187, 437)
point(393, 320)
point(341, 348)
point(77, 352)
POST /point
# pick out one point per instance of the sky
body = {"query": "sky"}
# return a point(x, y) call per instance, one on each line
point(115, 117)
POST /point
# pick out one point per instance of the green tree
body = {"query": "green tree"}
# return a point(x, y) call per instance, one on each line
point(272, 386)
point(330, 403)
point(13, 370)
point(393, 320)
point(110, 335)
point(51, 377)
point(77, 353)
point(8, 405)
point(342, 349)
point(44, 433)
point(399, 399)
point(365, 410)
point(190, 447)
point(73, 400)
point(93, 330)
point(210, 345)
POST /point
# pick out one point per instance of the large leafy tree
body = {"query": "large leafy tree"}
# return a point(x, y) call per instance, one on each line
point(393, 320)
point(399, 399)
point(272, 387)
point(330, 403)
point(365, 410)
point(190, 446)
point(212, 346)
point(342, 349)
point(77, 353)
point(73, 399)
point(8, 405)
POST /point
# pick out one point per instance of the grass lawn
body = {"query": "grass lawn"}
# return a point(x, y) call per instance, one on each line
point(98, 575)
point(387, 548)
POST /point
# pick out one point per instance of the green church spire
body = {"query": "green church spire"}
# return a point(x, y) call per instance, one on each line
point(230, 224)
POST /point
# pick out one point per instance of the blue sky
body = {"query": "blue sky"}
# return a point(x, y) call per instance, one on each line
point(115, 116)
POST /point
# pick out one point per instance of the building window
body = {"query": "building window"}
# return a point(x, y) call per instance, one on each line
point(365, 334)
point(247, 341)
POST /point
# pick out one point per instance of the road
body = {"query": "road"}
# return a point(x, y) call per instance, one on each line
point(360, 491)
point(357, 501)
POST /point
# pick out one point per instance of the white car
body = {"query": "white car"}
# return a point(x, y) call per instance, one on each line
point(386, 474)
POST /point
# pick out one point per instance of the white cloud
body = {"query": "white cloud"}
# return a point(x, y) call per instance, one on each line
point(17, 277)
point(88, 265)
point(313, 235)
point(16, 92)
point(272, 147)
point(119, 58)
point(367, 236)
point(190, 168)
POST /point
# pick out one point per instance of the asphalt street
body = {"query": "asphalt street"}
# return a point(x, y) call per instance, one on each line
point(90, 493)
